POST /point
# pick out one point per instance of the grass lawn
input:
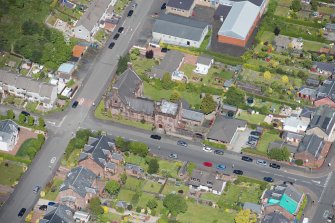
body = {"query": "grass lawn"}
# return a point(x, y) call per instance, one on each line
point(125, 195)
point(11, 173)
point(265, 140)
point(282, 11)
point(169, 188)
point(142, 65)
point(144, 200)
point(133, 183)
point(27, 147)
point(110, 217)
point(267, 36)
point(134, 159)
point(52, 192)
point(325, 10)
point(252, 119)
point(210, 196)
point(312, 45)
point(201, 213)
point(285, 2)
point(72, 161)
point(152, 186)
point(31, 106)
point(120, 5)
point(169, 168)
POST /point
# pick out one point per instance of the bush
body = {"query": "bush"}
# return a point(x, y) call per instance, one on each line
point(120, 209)
point(280, 154)
point(30, 147)
point(138, 148)
point(129, 207)
point(78, 142)
point(138, 209)
point(95, 207)
point(299, 162)
point(153, 166)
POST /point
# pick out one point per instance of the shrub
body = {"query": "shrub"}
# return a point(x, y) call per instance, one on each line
point(299, 162)
point(138, 209)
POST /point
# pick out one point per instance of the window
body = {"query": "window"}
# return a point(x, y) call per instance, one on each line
point(188, 43)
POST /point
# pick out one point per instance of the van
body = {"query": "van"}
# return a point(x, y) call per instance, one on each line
point(306, 220)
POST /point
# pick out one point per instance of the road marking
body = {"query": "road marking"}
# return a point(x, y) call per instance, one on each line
point(325, 185)
point(81, 101)
point(306, 182)
point(61, 122)
point(52, 123)
point(278, 175)
point(317, 182)
point(135, 30)
point(264, 171)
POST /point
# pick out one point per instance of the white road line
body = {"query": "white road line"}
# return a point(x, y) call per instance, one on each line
point(278, 175)
point(264, 171)
point(317, 182)
point(325, 185)
point(59, 125)
point(135, 30)
point(306, 182)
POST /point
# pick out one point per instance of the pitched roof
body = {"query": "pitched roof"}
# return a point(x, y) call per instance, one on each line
point(282, 41)
point(294, 135)
point(66, 68)
point(325, 66)
point(99, 148)
point(311, 144)
point(205, 60)
point(224, 128)
point(324, 119)
point(58, 213)
point(130, 166)
point(327, 89)
point(192, 115)
point(281, 145)
point(239, 20)
point(253, 207)
point(275, 217)
point(180, 4)
point(178, 26)
point(7, 128)
point(80, 180)
point(307, 112)
point(255, 2)
point(169, 64)
point(78, 50)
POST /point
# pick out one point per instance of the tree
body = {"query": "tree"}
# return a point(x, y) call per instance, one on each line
point(152, 203)
point(30, 27)
point(296, 5)
point(284, 79)
point(167, 83)
point(267, 75)
point(94, 206)
point(280, 154)
point(41, 122)
point(276, 31)
point(134, 53)
point(314, 5)
point(245, 216)
point(175, 96)
point(31, 120)
point(208, 104)
point(235, 96)
point(149, 54)
point(122, 64)
point(121, 144)
point(175, 204)
point(112, 187)
point(22, 118)
point(138, 148)
point(153, 166)
point(10, 114)
point(123, 178)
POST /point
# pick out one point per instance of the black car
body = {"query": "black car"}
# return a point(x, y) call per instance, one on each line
point(268, 179)
point(274, 165)
point(130, 13)
point(163, 6)
point(255, 133)
point(111, 45)
point(164, 50)
point(158, 137)
point(253, 138)
point(182, 143)
point(116, 36)
point(75, 104)
point(21, 213)
point(120, 30)
point(43, 207)
point(238, 172)
point(246, 158)
point(218, 152)
point(25, 113)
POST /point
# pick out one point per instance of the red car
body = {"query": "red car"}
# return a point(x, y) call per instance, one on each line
point(208, 164)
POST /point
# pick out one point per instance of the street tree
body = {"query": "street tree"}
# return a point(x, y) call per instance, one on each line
point(138, 148)
point(245, 216)
point(208, 104)
point(41, 122)
point(122, 64)
point(175, 204)
point(22, 118)
point(10, 114)
point(112, 187)
point(153, 166)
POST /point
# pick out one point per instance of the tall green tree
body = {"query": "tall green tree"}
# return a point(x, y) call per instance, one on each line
point(122, 64)
point(10, 114)
point(175, 96)
point(113, 187)
point(167, 83)
point(153, 166)
point(296, 5)
point(138, 148)
point(22, 118)
point(95, 206)
point(175, 204)
point(41, 122)
point(208, 104)
point(31, 120)
point(235, 96)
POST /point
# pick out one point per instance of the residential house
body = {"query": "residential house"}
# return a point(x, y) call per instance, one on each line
point(330, 27)
point(322, 122)
point(281, 42)
point(284, 198)
point(78, 188)
point(167, 115)
point(82, 217)
point(225, 129)
point(117, 158)
point(310, 150)
point(180, 7)
point(295, 124)
point(96, 156)
point(203, 64)
point(78, 51)
point(191, 123)
point(58, 213)
point(9, 134)
point(28, 89)
point(179, 31)
point(134, 170)
point(292, 137)
point(307, 93)
point(65, 71)
point(323, 68)
point(275, 217)
point(206, 181)
point(171, 62)
point(127, 99)
point(88, 23)
point(312, 82)
point(256, 208)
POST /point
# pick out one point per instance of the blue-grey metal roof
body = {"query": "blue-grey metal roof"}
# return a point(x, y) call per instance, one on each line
point(255, 2)
point(180, 4)
point(192, 115)
point(239, 20)
point(180, 27)
point(330, 67)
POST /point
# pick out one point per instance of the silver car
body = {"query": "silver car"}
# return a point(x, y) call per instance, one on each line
point(261, 162)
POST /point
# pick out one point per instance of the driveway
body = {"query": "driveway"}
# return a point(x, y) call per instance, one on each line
point(240, 141)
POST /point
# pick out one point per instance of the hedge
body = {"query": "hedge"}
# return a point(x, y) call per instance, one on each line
point(15, 158)
point(213, 144)
point(254, 151)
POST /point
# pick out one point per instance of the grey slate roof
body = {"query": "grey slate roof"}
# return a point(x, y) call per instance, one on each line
point(325, 66)
point(312, 82)
point(281, 145)
point(170, 63)
point(227, 107)
point(293, 135)
point(121, 204)
point(80, 180)
point(117, 156)
point(58, 213)
point(287, 189)
point(178, 26)
point(180, 4)
point(224, 128)
point(222, 10)
point(253, 207)
point(7, 128)
point(204, 60)
point(307, 112)
point(324, 119)
point(99, 148)
point(275, 217)
point(130, 166)
point(311, 144)
point(192, 115)
point(327, 89)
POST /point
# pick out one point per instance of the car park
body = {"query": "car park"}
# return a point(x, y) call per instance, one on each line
point(268, 179)
point(274, 165)
point(218, 152)
point(158, 137)
point(246, 158)
point(220, 167)
point(207, 164)
point(116, 36)
point(130, 13)
point(182, 143)
point(238, 172)
point(111, 45)
point(25, 113)
point(21, 213)
point(75, 104)
point(163, 6)
point(261, 162)
point(173, 156)
point(206, 149)
point(36, 189)
point(120, 29)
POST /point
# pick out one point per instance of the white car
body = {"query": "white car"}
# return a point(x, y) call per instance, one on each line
point(207, 149)
point(261, 162)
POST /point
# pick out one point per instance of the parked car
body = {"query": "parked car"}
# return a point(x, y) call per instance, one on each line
point(255, 134)
point(274, 165)
point(130, 13)
point(21, 213)
point(25, 113)
point(116, 36)
point(173, 156)
point(182, 143)
point(134, 6)
point(51, 203)
point(158, 137)
point(268, 179)
point(43, 207)
point(120, 30)
point(238, 172)
point(36, 189)
point(261, 162)
point(163, 6)
point(164, 50)
point(218, 152)
point(253, 138)
point(206, 149)
point(75, 104)
point(220, 167)
point(207, 164)
point(111, 45)
point(246, 158)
